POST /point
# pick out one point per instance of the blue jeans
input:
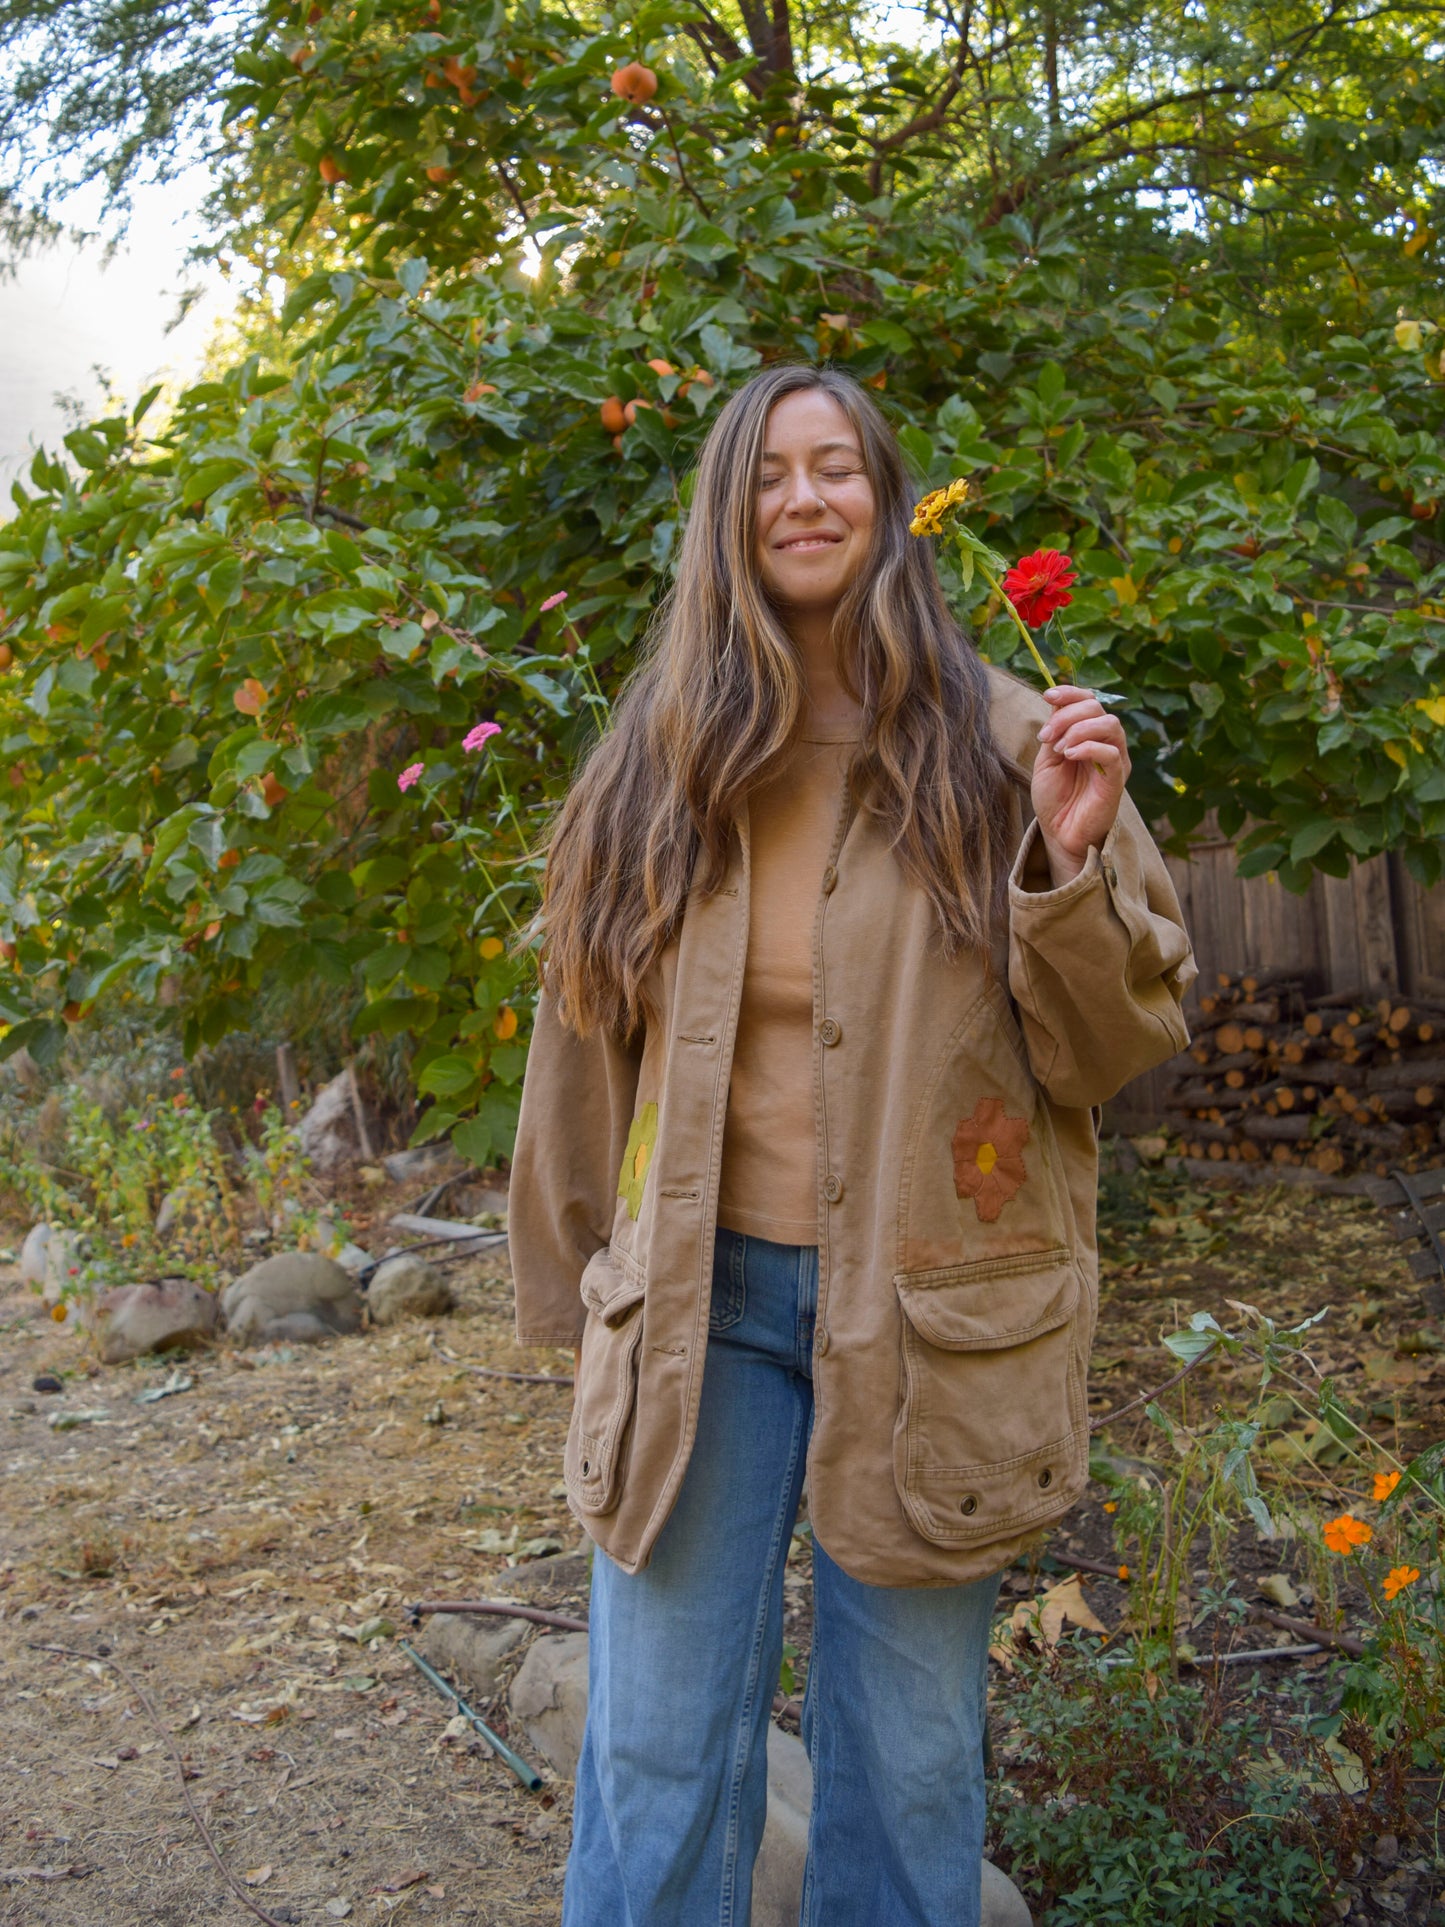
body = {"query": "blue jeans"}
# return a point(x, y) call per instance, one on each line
point(672, 1783)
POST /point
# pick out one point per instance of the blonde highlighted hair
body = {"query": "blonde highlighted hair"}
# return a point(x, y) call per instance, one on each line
point(715, 699)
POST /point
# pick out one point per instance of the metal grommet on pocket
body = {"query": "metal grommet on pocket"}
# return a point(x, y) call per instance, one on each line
point(968, 1504)
point(586, 1468)
point(1046, 1477)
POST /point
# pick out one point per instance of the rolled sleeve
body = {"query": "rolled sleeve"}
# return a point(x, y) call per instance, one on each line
point(1099, 966)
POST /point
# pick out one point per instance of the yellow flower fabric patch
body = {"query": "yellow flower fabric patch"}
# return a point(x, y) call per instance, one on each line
point(637, 1158)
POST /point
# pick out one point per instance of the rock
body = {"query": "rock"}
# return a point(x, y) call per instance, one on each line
point(425, 1161)
point(296, 1295)
point(134, 1319)
point(46, 1382)
point(778, 1874)
point(332, 1242)
point(778, 1870)
point(65, 1256)
point(471, 1649)
point(549, 1697)
point(328, 1130)
point(563, 1571)
point(408, 1287)
point(178, 1211)
point(32, 1254)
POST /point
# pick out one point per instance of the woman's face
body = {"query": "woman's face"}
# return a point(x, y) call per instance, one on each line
point(815, 503)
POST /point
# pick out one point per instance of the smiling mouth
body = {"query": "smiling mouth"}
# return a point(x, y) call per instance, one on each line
point(810, 542)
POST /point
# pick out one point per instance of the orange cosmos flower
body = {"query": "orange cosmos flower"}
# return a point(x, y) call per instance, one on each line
point(1342, 1535)
point(1385, 1483)
point(1399, 1577)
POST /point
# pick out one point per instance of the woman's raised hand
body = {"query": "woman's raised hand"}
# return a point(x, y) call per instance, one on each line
point(1079, 777)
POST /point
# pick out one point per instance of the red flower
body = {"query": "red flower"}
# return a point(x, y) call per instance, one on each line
point(1039, 584)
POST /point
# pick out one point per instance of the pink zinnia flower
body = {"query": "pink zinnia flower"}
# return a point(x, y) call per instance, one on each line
point(411, 774)
point(554, 601)
point(475, 738)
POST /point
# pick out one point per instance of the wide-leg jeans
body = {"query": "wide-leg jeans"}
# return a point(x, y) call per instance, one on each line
point(672, 1783)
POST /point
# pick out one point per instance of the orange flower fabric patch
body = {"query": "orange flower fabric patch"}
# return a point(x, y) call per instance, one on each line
point(988, 1157)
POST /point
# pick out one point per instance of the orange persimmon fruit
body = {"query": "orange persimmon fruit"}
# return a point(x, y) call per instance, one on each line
point(634, 82)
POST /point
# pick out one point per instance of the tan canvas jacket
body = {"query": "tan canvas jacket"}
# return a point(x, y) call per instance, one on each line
point(957, 1166)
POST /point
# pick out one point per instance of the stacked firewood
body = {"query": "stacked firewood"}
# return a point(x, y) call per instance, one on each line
point(1341, 1083)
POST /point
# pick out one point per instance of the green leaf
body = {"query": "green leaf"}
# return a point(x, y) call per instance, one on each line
point(445, 1076)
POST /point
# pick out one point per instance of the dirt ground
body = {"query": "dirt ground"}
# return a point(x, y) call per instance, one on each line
point(228, 1542)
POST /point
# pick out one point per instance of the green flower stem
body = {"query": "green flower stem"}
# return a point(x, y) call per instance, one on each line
point(580, 655)
point(1020, 624)
point(447, 817)
point(492, 886)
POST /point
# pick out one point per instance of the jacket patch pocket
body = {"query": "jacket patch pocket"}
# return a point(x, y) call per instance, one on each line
point(606, 1390)
point(992, 1434)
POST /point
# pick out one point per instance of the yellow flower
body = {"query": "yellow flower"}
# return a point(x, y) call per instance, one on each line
point(1385, 1483)
point(1342, 1535)
point(1111, 1505)
point(930, 514)
point(1398, 1577)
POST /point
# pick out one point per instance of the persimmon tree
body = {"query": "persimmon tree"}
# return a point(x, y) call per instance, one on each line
point(250, 639)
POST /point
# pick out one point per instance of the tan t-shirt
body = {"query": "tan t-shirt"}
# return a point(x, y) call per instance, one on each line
point(769, 1181)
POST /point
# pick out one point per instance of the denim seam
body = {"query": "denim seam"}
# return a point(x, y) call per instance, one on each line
point(808, 1913)
point(728, 1897)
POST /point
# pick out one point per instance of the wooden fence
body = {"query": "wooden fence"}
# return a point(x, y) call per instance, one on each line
point(1376, 930)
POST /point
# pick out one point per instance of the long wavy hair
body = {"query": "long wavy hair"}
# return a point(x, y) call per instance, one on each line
point(716, 698)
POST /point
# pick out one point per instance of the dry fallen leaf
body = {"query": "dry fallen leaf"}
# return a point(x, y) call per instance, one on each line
point(1277, 1589)
point(1044, 1619)
point(258, 1876)
point(400, 1884)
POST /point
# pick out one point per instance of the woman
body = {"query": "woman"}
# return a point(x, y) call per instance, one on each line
point(845, 934)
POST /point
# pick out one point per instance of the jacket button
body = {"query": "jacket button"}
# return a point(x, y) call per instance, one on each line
point(968, 1504)
point(1112, 876)
point(821, 1341)
point(830, 1030)
point(832, 1187)
point(830, 878)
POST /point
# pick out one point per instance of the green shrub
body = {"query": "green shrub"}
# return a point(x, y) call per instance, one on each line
point(1123, 1809)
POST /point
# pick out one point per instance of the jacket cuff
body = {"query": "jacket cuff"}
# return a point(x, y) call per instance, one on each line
point(536, 1335)
point(1029, 887)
